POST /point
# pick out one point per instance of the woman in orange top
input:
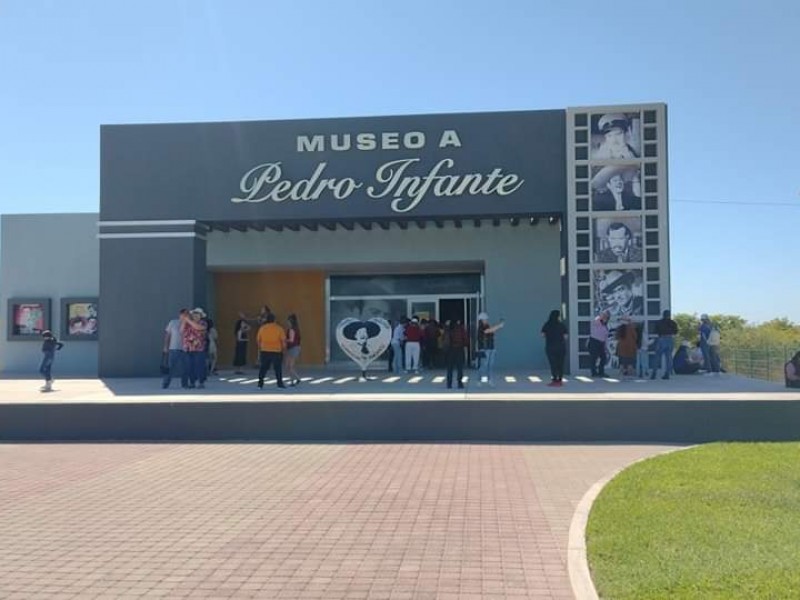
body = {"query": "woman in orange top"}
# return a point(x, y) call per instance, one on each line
point(271, 344)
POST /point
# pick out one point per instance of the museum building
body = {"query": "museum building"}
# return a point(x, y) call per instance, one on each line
point(442, 216)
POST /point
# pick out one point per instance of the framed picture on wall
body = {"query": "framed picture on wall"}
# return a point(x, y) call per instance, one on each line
point(27, 318)
point(79, 318)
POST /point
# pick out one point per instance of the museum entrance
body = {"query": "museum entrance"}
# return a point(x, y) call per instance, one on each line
point(438, 297)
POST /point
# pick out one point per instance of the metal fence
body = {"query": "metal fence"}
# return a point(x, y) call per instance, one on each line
point(765, 362)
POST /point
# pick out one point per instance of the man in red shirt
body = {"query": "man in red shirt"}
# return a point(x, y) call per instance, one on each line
point(413, 339)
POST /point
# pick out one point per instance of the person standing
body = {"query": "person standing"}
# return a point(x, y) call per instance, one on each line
point(486, 347)
point(714, 340)
point(292, 348)
point(704, 329)
point(455, 342)
point(413, 339)
point(555, 346)
point(193, 330)
point(176, 361)
point(666, 330)
point(50, 345)
point(398, 337)
point(598, 336)
point(241, 332)
point(627, 347)
point(212, 349)
point(271, 345)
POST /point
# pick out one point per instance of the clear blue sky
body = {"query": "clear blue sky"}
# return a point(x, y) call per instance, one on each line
point(729, 72)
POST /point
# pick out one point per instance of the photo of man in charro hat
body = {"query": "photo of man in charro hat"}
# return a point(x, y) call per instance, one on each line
point(615, 136)
point(616, 187)
point(619, 292)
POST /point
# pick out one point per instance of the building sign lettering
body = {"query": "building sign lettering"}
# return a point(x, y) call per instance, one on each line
point(405, 182)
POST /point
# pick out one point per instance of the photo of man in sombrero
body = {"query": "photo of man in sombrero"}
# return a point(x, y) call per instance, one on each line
point(617, 187)
point(618, 294)
point(361, 333)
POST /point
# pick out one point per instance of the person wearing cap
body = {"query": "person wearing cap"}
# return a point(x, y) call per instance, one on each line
point(486, 347)
point(616, 131)
point(49, 347)
point(413, 333)
point(619, 245)
point(193, 329)
point(610, 190)
point(666, 330)
point(617, 290)
point(598, 336)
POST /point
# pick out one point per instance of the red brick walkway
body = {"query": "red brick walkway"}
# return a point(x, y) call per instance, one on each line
point(388, 521)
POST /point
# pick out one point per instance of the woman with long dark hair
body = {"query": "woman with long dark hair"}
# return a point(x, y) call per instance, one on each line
point(555, 346)
point(292, 348)
point(242, 332)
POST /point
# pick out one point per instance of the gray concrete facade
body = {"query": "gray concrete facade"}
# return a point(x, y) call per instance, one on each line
point(506, 193)
point(51, 256)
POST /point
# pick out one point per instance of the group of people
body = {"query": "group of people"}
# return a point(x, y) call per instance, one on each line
point(190, 347)
point(417, 344)
point(416, 341)
point(636, 357)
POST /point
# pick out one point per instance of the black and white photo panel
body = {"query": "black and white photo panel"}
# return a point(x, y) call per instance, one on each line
point(620, 292)
point(617, 240)
point(616, 136)
point(616, 187)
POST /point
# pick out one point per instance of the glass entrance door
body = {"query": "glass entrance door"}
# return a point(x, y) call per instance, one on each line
point(423, 308)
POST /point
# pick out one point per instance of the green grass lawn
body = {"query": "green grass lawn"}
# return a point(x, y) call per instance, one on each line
point(717, 521)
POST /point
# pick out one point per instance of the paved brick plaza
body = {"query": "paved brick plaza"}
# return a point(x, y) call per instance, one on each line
point(293, 520)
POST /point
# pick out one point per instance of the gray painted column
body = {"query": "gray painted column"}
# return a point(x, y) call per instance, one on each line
point(145, 278)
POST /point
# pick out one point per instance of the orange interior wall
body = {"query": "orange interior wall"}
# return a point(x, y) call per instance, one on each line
point(285, 292)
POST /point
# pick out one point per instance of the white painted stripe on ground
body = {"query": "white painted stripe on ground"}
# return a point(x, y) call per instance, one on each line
point(391, 379)
point(583, 378)
point(511, 379)
point(534, 379)
point(249, 381)
point(439, 379)
point(610, 380)
point(415, 379)
point(321, 380)
point(344, 380)
point(237, 380)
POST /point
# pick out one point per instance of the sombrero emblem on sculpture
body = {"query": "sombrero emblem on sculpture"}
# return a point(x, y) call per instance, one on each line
point(363, 341)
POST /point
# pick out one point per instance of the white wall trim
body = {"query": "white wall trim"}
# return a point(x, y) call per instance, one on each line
point(165, 234)
point(144, 223)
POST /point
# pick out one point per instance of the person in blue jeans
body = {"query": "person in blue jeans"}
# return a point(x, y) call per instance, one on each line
point(666, 330)
point(486, 349)
point(175, 358)
point(705, 330)
point(49, 347)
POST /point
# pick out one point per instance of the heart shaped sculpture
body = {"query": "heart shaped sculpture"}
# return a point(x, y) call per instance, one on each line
point(363, 341)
